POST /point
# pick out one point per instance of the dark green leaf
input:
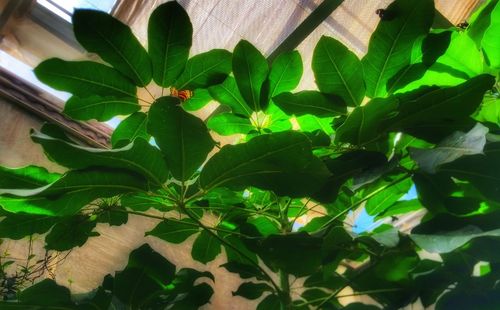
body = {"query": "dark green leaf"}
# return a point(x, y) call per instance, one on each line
point(144, 201)
point(201, 97)
point(204, 70)
point(391, 44)
point(228, 94)
point(99, 108)
point(146, 275)
point(196, 297)
point(175, 231)
point(469, 299)
point(139, 157)
point(114, 42)
point(286, 71)
point(169, 40)
point(182, 137)
point(251, 290)
point(270, 302)
point(84, 78)
point(114, 215)
point(360, 306)
point(46, 293)
point(250, 70)
point(455, 146)
point(19, 225)
point(489, 43)
point(245, 271)
point(69, 233)
point(227, 124)
point(282, 162)
point(310, 102)
point(386, 198)
point(130, 128)
point(338, 71)
point(481, 170)
point(362, 125)
point(205, 248)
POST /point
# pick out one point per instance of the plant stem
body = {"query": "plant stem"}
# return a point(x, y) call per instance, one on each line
point(286, 300)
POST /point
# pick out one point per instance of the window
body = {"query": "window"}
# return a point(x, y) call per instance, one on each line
point(64, 8)
point(55, 15)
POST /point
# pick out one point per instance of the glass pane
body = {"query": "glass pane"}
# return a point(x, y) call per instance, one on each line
point(70, 5)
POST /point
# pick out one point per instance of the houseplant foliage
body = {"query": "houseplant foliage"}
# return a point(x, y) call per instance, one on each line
point(408, 114)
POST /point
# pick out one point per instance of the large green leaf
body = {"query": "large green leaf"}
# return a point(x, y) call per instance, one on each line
point(489, 110)
point(19, 225)
point(169, 40)
point(114, 42)
point(228, 94)
point(72, 192)
point(490, 42)
point(250, 70)
point(99, 108)
point(175, 231)
point(69, 233)
point(282, 162)
point(46, 294)
point(482, 170)
point(310, 102)
point(450, 240)
point(204, 70)
point(286, 71)
point(182, 137)
point(84, 78)
point(455, 146)
point(362, 124)
point(480, 20)
point(26, 177)
point(251, 290)
point(338, 71)
point(144, 201)
point(386, 198)
point(434, 113)
point(130, 128)
point(146, 276)
point(139, 157)
point(205, 248)
point(391, 44)
point(227, 124)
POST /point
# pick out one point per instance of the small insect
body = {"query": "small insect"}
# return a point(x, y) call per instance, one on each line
point(183, 95)
point(463, 25)
point(384, 14)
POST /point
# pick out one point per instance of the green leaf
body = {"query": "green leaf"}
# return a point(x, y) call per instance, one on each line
point(26, 177)
point(19, 225)
point(139, 157)
point(448, 241)
point(270, 302)
point(144, 201)
point(243, 270)
point(70, 193)
point(205, 248)
point(205, 69)
point(338, 71)
point(477, 299)
point(69, 233)
point(182, 137)
point(401, 207)
point(434, 113)
point(462, 55)
point(201, 97)
point(251, 290)
point(147, 275)
point(312, 123)
point(360, 306)
point(282, 162)
point(390, 45)
point(227, 124)
point(114, 42)
point(362, 124)
point(99, 108)
point(386, 198)
point(490, 43)
point(84, 78)
point(490, 109)
point(169, 40)
point(174, 231)
point(228, 94)
point(250, 70)
point(286, 71)
point(46, 293)
point(481, 170)
point(129, 129)
point(455, 146)
point(480, 20)
point(310, 102)
point(114, 215)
